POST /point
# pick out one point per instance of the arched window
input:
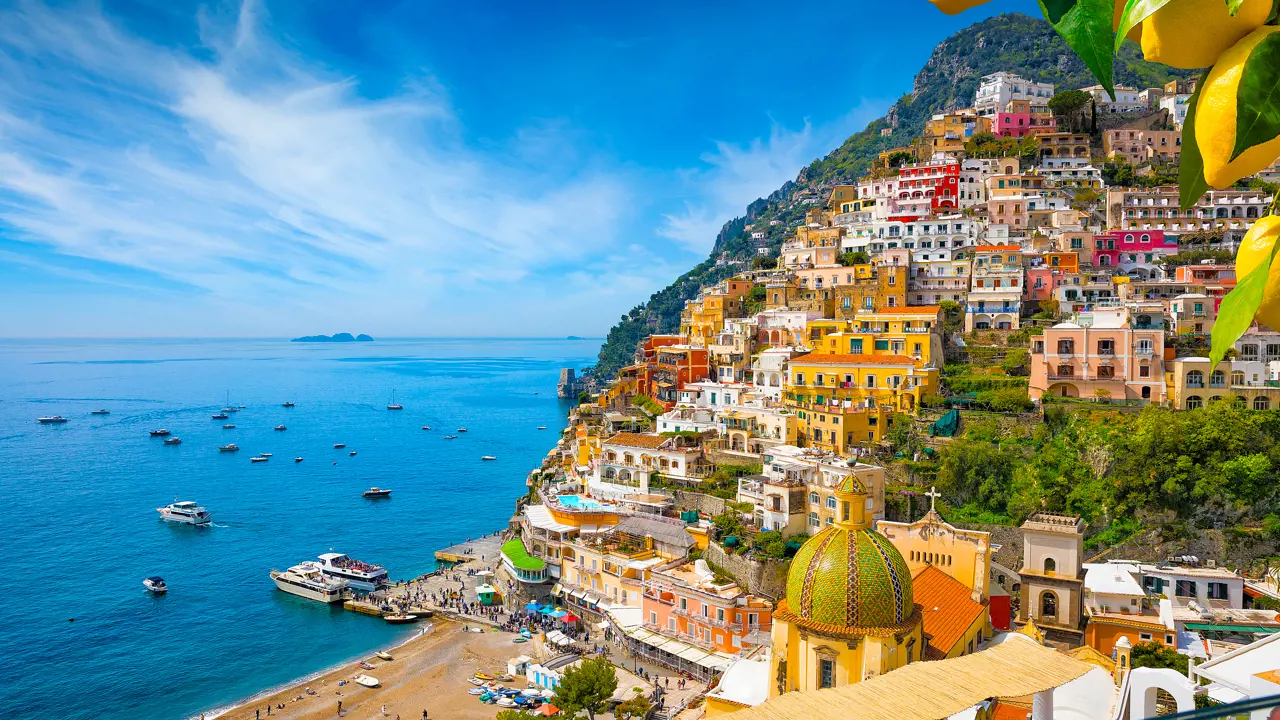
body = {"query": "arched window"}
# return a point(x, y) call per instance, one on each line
point(1261, 403)
point(1218, 379)
point(813, 498)
point(1194, 402)
point(1049, 605)
point(1240, 401)
point(1237, 377)
point(1195, 379)
point(831, 503)
point(813, 520)
point(1050, 566)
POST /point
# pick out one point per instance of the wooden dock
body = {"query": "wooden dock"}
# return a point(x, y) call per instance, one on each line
point(486, 547)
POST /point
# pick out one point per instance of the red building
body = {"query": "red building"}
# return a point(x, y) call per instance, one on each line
point(935, 184)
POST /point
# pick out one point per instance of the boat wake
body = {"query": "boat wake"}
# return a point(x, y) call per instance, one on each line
point(217, 525)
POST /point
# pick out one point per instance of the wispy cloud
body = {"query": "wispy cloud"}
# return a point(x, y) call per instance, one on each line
point(244, 169)
point(733, 176)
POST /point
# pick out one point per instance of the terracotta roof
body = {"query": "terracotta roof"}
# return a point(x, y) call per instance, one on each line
point(636, 440)
point(1008, 711)
point(948, 608)
point(834, 359)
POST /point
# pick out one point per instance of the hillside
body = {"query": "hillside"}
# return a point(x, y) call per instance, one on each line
point(1014, 43)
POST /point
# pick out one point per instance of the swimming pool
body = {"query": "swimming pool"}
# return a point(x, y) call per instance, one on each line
point(577, 502)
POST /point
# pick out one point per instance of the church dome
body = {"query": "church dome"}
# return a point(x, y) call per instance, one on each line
point(849, 579)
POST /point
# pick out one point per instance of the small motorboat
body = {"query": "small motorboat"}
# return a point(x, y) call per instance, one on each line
point(450, 437)
point(173, 441)
point(280, 428)
point(505, 701)
point(155, 584)
point(542, 427)
point(367, 681)
point(531, 692)
point(476, 691)
point(426, 427)
point(258, 458)
point(376, 492)
point(353, 452)
point(462, 429)
point(339, 446)
point(229, 426)
point(266, 455)
point(297, 459)
point(242, 407)
point(288, 403)
point(232, 447)
point(100, 412)
point(220, 416)
point(384, 656)
point(519, 639)
point(488, 457)
point(504, 678)
point(52, 420)
point(366, 666)
point(483, 676)
point(158, 433)
point(399, 619)
point(477, 683)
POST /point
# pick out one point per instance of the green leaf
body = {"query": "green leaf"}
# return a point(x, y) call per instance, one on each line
point(1055, 9)
point(1258, 96)
point(1135, 11)
point(1086, 27)
point(1191, 182)
point(1233, 6)
point(1236, 312)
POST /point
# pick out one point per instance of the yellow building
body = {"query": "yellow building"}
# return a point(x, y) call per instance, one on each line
point(915, 332)
point(607, 568)
point(704, 318)
point(948, 132)
point(965, 555)
point(843, 401)
point(849, 613)
point(868, 287)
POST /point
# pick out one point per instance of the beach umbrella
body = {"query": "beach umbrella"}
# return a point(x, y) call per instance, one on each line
point(548, 710)
point(532, 607)
point(549, 693)
point(569, 618)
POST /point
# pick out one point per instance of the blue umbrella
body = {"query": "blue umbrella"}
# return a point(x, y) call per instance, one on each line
point(532, 607)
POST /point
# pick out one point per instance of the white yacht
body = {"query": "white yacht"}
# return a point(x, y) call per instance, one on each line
point(306, 580)
point(185, 511)
point(361, 575)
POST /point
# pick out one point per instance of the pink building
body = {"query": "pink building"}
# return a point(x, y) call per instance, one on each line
point(1110, 353)
point(1136, 252)
point(1021, 124)
point(683, 603)
point(1041, 282)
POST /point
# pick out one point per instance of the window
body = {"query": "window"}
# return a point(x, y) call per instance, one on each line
point(1185, 588)
point(1144, 371)
point(653, 618)
point(1218, 591)
point(1194, 402)
point(1050, 566)
point(1261, 403)
point(813, 498)
point(827, 670)
point(1049, 605)
point(684, 604)
point(813, 520)
point(831, 503)
point(671, 624)
point(1144, 637)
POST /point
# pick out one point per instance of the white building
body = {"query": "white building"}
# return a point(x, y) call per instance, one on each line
point(1127, 99)
point(936, 276)
point(1071, 172)
point(1177, 107)
point(769, 369)
point(997, 89)
point(973, 180)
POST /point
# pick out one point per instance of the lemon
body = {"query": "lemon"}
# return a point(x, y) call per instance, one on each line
point(1215, 119)
point(1255, 248)
point(1192, 34)
point(953, 7)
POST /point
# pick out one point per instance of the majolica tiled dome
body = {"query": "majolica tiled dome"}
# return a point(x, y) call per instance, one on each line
point(848, 580)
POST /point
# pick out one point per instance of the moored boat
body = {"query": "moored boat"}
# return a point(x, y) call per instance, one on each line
point(339, 446)
point(462, 429)
point(353, 452)
point(280, 428)
point(288, 403)
point(367, 681)
point(185, 511)
point(488, 457)
point(297, 459)
point(384, 656)
point(51, 420)
point(230, 447)
point(376, 492)
point(361, 575)
point(306, 580)
point(158, 433)
point(450, 437)
point(542, 427)
point(103, 411)
point(155, 584)
point(394, 404)
point(173, 441)
point(399, 619)
point(220, 416)
point(229, 426)
point(258, 459)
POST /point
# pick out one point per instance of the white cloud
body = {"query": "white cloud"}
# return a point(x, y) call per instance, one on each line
point(733, 176)
point(263, 178)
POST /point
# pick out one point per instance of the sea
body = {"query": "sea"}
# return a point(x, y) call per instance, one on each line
point(82, 638)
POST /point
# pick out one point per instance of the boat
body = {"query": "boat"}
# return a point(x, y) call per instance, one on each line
point(288, 403)
point(297, 459)
point(361, 575)
point(339, 446)
point(258, 458)
point(367, 681)
point(99, 412)
point(450, 437)
point(520, 639)
point(353, 452)
point(488, 457)
point(306, 580)
point(266, 455)
point(477, 683)
point(376, 492)
point(399, 619)
point(482, 676)
point(505, 701)
point(426, 427)
point(185, 511)
point(462, 429)
point(220, 416)
point(504, 678)
point(173, 441)
point(542, 427)
point(232, 447)
point(155, 584)
point(280, 428)
point(394, 405)
point(229, 426)
point(384, 656)
point(242, 407)
point(158, 433)
point(52, 420)
point(476, 691)
point(365, 665)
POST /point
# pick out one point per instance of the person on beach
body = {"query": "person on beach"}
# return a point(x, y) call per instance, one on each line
point(339, 707)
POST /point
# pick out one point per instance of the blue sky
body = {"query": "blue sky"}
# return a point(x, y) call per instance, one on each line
point(407, 168)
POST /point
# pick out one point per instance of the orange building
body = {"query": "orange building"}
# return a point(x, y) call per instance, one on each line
point(695, 606)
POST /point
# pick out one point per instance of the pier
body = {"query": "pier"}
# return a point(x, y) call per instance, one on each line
point(486, 547)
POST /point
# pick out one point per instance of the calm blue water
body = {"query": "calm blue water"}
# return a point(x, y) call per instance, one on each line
point(79, 531)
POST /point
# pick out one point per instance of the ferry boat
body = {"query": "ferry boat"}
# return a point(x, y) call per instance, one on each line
point(230, 447)
point(52, 420)
point(394, 405)
point(376, 492)
point(288, 403)
point(173, 441)
point(100, 412)
point(158, 433)
point(306, 580)
point(185, 511)
point(155, 584)
point(280, 428)
point(361, 575)
point(220, 416)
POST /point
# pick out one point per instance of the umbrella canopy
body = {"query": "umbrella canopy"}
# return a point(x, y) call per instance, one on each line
point(547, 710)
point(532, 607)
point(569, 618)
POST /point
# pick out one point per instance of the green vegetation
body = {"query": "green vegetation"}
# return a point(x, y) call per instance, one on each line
point(648, 405)
point(1068, 107)
point(1195, 257)
point(1155, 655)
point(1116, 171)
point(587, 688)
point(1016, 361)
point(637, 707)
point(854, 257)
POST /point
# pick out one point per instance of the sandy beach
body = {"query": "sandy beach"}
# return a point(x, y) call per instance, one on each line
point(428, 673)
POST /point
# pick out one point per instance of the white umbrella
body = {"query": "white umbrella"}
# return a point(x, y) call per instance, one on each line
point(548, 693)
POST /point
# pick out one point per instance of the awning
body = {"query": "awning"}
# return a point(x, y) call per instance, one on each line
point(1210, 627)
point(692, 654)
point(555, 590)
point(602, 626)
point(577, 594)
point(590, 599)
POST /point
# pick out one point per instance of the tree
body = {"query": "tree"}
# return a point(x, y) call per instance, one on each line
point(1016, 361)
point(764, 262)
point(898, 158)
point(1068, 106)
point(1009, 400)
point(952, 318)
point(854, 257)
point(637, 707)
point(587, 687)
point(518, 715)
point(1155, 655)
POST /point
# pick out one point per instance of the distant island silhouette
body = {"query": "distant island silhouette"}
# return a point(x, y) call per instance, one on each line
point(339, 337)
point(573, 337)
